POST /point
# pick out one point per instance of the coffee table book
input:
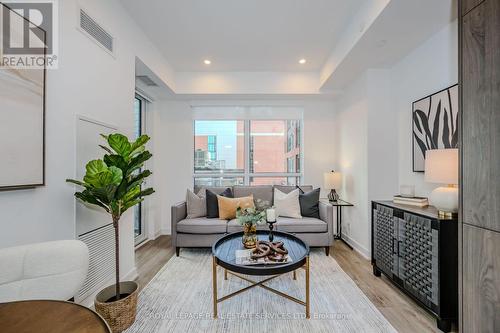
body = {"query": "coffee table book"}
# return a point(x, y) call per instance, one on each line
point(411, 201)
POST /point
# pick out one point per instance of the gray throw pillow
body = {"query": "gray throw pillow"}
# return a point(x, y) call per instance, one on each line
point(196, 204)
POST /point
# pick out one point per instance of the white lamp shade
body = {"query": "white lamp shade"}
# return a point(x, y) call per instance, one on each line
point(332, 180)
point(441, 166)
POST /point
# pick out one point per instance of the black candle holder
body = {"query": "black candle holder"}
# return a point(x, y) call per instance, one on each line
point(271, 227)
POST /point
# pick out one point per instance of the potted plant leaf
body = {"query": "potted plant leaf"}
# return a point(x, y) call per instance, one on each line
point(249, 218)
point(114, 184)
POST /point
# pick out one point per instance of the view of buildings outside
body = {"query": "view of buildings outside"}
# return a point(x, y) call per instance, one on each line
point(274, 148)
point(220, 148)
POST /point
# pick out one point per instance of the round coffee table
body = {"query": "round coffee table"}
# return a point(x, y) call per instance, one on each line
point(224, 255)
point(50, 316)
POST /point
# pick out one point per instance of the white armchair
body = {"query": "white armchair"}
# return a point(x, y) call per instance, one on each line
point(52, 270)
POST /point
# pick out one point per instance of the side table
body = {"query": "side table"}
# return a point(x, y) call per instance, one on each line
point(339, 204)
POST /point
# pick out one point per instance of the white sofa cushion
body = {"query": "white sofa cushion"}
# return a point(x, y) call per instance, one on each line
point(52, 270)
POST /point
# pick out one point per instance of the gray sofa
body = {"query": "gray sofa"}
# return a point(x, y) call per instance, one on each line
point(203, 232)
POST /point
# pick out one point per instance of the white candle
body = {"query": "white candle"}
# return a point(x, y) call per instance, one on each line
point(271, 215)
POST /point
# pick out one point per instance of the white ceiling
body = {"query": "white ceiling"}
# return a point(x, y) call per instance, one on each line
point(239, 35)
point(402, 26)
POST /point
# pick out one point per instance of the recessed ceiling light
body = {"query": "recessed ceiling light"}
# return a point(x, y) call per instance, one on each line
point(207, 62)
point(302, 61)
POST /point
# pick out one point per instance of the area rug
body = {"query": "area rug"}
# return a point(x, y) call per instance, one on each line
point(179, 299)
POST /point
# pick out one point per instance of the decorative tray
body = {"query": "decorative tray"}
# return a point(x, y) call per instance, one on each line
point(265, 253)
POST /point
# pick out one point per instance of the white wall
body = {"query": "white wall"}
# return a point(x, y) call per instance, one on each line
point(173, 151)
point(247, 83)
point(375, 128)
point(173, 142)
point(382, 137)
point(88, 82)
point(431, 67)
point(367, 157)
point(352, 127)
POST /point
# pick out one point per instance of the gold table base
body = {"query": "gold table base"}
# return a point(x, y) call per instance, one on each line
point(261, 284)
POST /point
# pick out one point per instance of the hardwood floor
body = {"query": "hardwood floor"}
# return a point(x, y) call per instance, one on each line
point(151, 257)
point(402, 312)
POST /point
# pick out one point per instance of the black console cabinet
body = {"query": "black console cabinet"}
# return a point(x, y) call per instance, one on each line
point(418, 252)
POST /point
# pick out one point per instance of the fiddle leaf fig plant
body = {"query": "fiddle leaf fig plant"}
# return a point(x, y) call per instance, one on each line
point(114, 182)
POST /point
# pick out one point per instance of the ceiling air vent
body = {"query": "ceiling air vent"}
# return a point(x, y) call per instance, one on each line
point(146, 80)
point(97, 33)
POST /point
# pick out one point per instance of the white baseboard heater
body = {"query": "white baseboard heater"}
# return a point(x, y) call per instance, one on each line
point(102, 260)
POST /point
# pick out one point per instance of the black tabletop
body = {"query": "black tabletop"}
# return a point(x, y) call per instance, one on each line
point(225, 248)
point(427, 211)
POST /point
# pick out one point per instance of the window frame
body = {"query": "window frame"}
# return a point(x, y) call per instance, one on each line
point(143, 236)
point(247, 175)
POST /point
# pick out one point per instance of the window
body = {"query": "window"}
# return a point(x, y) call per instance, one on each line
point(274, 181)
point(251, 152)
point(219, 147)
point(274, 147)
point(218, 181)
point(139, 114)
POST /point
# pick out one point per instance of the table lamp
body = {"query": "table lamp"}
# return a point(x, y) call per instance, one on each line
point(441, 166)
point(332, 181)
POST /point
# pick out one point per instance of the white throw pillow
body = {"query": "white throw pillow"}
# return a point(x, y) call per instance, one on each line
point(196, 204)
point(287, 205)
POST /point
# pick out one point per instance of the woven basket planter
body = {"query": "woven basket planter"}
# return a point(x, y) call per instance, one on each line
point(120, 314)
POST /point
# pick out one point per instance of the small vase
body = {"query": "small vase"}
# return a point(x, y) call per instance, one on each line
point(249, 235)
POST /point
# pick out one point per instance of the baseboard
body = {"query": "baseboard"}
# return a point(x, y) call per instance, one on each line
point(141, 244)
point(357, 247)
point(154, 236)
point(89, 300)
point(131, 275)
point(151, 238)
point(162, 232)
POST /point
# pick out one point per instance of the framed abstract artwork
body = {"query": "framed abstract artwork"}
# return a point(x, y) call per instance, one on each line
point(22, 122)
point(435, 124)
